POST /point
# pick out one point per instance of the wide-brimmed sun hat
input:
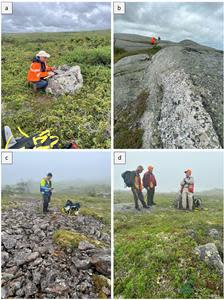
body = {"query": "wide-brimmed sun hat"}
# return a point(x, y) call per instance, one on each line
point(43, 53)
point(188, 170)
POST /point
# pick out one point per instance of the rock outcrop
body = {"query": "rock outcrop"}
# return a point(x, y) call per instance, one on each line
point(184, 106)
point(36, 265)
point(209, 253)
point(68, 80)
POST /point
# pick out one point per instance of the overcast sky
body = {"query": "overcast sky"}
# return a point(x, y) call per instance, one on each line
point(57, 16)
point(201, 22)
point(169, 168)
point(65, 166)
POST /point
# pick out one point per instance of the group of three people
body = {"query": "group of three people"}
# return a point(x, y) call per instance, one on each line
point(149, 183)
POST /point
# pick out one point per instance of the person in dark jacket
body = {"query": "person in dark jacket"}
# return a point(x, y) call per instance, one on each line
point(149, 183)
point(136, 187)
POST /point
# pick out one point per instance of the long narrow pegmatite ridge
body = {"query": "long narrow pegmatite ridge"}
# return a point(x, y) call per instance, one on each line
point(184, 106)
point(184, 121)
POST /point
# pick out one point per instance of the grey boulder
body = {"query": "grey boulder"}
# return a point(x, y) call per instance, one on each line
point(210, 255)
point(68, 80)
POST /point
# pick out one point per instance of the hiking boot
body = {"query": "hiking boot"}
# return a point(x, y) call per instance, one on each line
point(34, 88)
point(137, 208)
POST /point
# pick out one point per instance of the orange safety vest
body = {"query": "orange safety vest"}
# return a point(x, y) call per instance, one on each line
point(35, 72)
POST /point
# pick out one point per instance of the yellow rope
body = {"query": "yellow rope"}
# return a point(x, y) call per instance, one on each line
point(9, 140)
point(23, 133)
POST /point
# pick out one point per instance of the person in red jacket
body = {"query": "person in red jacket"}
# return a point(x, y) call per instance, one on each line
point(149, 183)
point(39, 70)
point(153, 40)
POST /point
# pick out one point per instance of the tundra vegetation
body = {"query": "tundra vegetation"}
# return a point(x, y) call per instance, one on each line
point(84, 116)
point(155, 251)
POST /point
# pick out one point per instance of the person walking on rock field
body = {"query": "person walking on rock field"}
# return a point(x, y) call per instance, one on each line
point(46, 191)
point(187, 190)
point(149, 183)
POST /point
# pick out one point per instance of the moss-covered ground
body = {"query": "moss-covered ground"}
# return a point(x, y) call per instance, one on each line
point(154, 253)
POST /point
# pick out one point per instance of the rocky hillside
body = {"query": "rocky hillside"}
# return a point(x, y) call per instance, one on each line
point(53, 256)
point(177, 94)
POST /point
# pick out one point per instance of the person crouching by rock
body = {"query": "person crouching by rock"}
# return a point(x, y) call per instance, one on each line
point(187, 190)
point(39, 71)
point(149, 183)
point(136, 187)
point(46, 191)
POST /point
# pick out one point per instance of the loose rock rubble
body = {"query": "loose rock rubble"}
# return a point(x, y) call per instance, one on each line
point(34, 266)
point(68, 80)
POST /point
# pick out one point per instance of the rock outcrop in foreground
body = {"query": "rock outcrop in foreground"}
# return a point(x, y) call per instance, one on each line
point(67, 81)
point(53, 256)
point(182, 105)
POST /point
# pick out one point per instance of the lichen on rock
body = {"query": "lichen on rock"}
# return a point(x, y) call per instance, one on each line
point(66, 81)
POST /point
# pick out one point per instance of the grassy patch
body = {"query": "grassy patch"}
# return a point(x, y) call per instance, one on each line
point(126, 129)
point(154, 254)
point(95, 213)
point(100, 282)
point(71, 239)
point(120, 53)
point(8, 202)
point(84, 116)
point(96, 207)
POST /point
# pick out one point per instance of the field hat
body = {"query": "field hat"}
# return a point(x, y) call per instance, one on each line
point(42, 53)
point(188, 170)
point(140, 167)
point(150, 168)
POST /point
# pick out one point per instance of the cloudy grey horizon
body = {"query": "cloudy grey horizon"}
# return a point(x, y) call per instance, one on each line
point(29, 17)
point(65, 166)
point(201, 22)
point(169, 167)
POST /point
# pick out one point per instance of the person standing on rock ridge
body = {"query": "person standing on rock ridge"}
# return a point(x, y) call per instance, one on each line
point(136, 187)
point(153, 40)
point(149, 183)
point(187, 190)
point(39, 70)
point(46, 191)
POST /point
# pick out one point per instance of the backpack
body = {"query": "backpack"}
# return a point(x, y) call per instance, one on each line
point(71, 208)
point(127, 177)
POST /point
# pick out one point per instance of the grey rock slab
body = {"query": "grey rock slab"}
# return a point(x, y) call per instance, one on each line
point(102, 263)
point(67, 81)
point(25, 256)
point(84, 245)
point(210, 255)
point(30, 289)
point(8, 241)
point(81, 264)
point(4, 258)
